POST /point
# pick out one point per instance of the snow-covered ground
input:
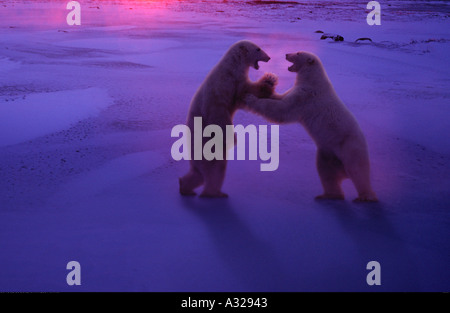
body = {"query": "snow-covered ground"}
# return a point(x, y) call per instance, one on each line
point(86, 173)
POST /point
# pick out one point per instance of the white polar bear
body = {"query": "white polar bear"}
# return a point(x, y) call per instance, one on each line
point(341, 146)
point(216, 101)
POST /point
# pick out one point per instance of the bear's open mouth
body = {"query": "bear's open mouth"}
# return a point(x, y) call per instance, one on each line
point(264, 59)
point(289, 59)
point(291, 68)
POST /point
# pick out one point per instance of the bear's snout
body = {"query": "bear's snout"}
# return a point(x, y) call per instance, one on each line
point(265, 57)
point(289, 56)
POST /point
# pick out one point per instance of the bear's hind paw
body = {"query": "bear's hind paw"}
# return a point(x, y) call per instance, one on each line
point(366, 199)
point(213, 195)
point(187, 193)
point(329, 197)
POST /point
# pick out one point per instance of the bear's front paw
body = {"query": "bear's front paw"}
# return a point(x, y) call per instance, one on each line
point(269, 79)
point(266, 85)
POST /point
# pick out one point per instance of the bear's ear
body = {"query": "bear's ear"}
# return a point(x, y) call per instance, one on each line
point(244, 50)
point(310, 61)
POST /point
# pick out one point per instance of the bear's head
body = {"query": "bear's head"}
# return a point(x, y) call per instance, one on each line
point(250, 53)
point(302, 61)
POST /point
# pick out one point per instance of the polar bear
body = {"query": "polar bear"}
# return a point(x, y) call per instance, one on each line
point(216, 101)
point(341, 146)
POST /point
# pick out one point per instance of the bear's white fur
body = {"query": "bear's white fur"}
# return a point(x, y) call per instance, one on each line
point(341, 146)
point(216, 101)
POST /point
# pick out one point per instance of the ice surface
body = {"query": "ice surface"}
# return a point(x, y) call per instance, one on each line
point(39, 114)
point(86, 173)
point(7, 65)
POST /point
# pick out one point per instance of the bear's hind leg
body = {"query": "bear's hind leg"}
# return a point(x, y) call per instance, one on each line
point(190, 181)
point(358, 170)
point(331, 173)
point(361, 179)
point(214, 174)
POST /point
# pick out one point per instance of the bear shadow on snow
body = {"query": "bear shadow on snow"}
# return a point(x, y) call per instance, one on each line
point(376, 240)
point(252, 260)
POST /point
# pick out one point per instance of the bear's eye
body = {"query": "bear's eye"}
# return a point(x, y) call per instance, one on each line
point(259, 49)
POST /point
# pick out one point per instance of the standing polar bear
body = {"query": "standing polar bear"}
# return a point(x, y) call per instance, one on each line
point(341, 146)
point(216, 101)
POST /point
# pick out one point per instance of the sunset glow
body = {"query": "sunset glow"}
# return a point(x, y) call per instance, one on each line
point(102, 103)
